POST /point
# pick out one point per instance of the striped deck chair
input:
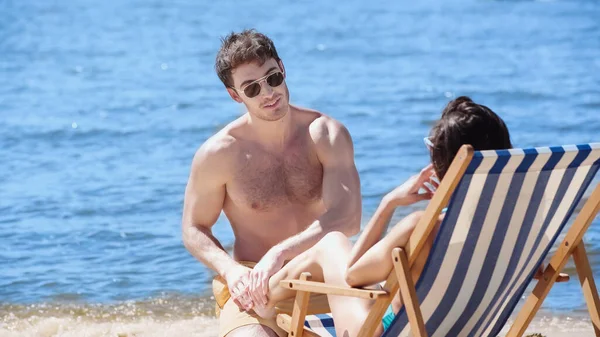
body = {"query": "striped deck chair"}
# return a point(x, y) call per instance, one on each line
point(506, 209)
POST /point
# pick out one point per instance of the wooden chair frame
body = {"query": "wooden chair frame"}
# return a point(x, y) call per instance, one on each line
point(406, 271)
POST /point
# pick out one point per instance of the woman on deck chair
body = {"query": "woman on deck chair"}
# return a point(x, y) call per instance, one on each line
point(334, 260)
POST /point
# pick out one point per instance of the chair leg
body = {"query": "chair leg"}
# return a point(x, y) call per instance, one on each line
point(300, 309)
point(408, 292)
point(588, 286)
point(565, 250)
point(534, 302)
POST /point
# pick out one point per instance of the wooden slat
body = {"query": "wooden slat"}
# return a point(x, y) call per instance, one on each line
point(324, 288)
point(284, 321)
point(408, 292)
point(300, 308)
point(588, 286)
point(438, 202)
point(557, 263)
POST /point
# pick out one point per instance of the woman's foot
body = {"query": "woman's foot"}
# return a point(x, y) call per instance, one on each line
point(562, 277)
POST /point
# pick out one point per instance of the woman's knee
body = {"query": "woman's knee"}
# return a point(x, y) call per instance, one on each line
point(351, 277)
point(334, 249)
point(335, 238)
point(332, 242)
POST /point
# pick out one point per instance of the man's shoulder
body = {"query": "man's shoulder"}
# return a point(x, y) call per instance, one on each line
point(329, 136)
point(217, 150)
point(326, 128)
point(225, 142)
point(220, 143)
point(319, 124)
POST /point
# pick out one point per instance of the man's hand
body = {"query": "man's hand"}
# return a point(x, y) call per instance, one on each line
point(238, 282)
point(408, 193)
point(271, 263)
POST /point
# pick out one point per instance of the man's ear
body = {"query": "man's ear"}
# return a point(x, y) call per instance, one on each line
point(282, 68)
point(234, 95)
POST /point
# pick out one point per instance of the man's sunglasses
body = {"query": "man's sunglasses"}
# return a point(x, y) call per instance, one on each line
point(253, 89)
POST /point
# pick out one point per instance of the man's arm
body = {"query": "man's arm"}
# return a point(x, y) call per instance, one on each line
point(341, 189)
point(203, 202)
point(341, 197)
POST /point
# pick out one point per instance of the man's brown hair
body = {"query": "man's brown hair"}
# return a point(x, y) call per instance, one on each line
point(247, 46)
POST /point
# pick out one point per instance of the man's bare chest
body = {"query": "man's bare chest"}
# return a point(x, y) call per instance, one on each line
point(264, 181)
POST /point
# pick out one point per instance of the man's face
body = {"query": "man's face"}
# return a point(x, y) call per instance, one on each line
point(272, 102)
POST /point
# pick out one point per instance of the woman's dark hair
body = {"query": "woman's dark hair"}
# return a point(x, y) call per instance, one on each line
point(465, 122)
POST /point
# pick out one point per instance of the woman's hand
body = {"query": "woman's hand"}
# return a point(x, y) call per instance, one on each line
point(408, 193)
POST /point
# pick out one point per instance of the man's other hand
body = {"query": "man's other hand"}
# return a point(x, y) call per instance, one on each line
point(238, 282)
point(271, 263)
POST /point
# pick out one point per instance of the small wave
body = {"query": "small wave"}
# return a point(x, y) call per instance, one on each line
point(590, 105)
point(19, 133)
point(76, 327)
point(517, 94)
point(204, 326)
point(111, 235)
point(16, 133)
point(166, 307)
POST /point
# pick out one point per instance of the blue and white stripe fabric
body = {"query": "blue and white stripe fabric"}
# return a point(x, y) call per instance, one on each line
point(321, 324)
point(502, 220)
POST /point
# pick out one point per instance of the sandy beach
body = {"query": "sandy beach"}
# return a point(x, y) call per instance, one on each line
point(549, 326)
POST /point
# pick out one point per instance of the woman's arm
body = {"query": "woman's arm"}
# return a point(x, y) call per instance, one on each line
point(373, 231)
point(375, 264)
point(403, 195)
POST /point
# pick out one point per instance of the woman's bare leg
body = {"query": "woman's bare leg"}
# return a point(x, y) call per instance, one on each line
point(376, 263)
point(326, 261)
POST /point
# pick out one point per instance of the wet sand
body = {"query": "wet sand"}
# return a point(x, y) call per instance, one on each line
point(203, 326)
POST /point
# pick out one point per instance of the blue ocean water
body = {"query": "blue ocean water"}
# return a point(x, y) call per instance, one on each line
point(103, 104)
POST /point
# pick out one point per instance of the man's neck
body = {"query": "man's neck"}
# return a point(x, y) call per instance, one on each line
point(272, 134)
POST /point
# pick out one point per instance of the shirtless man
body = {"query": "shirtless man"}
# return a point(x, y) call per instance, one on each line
point(283, 175)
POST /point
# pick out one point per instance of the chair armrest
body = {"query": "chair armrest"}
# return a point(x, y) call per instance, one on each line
point(324, 288)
